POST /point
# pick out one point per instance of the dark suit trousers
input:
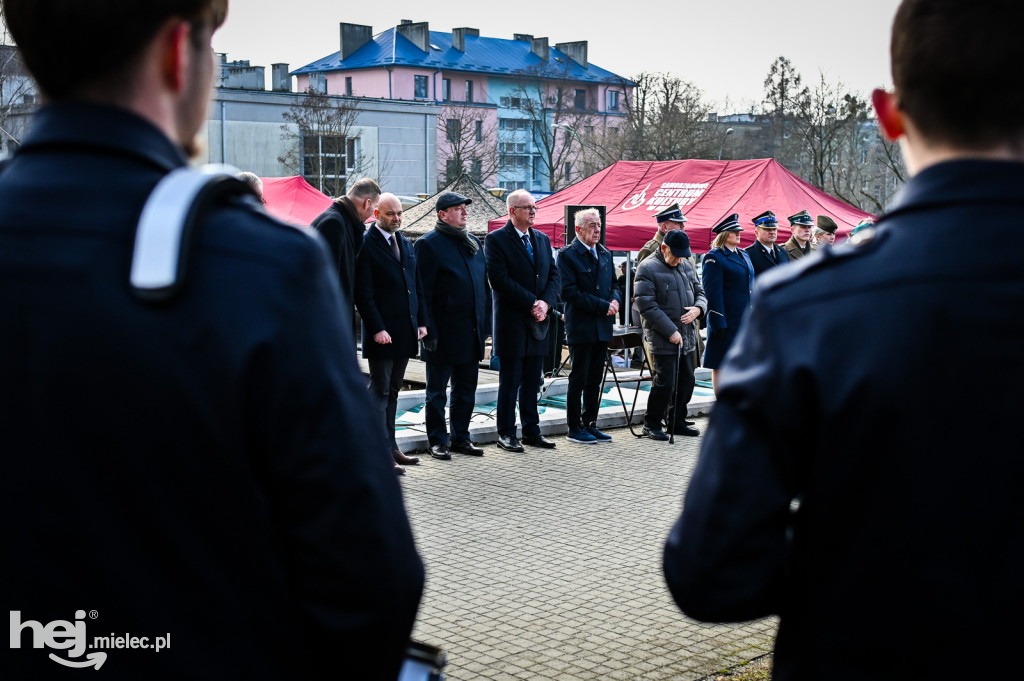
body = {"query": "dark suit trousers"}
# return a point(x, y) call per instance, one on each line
point(519, 379)
point(463, 378)
point(588, 361)
point(386, 377)
point(660, 398)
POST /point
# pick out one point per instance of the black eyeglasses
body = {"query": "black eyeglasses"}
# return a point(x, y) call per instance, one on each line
point(532, 209)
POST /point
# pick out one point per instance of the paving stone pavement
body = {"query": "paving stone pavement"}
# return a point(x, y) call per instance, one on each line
point(547, 564)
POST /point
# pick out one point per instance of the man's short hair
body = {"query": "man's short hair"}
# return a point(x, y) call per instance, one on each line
point(72, 46)
point(253, 180)
point(956, 69)
point(364, 189)
point(580, 216)
point(515, 195)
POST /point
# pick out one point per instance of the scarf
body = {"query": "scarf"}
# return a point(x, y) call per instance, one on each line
point(462, 234)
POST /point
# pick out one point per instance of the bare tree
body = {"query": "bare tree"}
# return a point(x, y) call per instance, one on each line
point(784, 95)
point(468, 144)
point(324, 147)
point(17, 93)
point(559, 114)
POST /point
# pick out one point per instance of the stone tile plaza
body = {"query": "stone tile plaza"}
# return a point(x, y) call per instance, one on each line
point(547, 564)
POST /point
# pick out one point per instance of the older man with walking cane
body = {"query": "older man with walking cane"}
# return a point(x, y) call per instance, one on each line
point(669, 298)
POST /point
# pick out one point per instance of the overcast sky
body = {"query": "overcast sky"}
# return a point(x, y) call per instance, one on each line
point(725, 47)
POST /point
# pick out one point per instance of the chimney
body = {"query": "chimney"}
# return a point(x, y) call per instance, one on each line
point(354, 36)
point(280, 80)
point(576, 51)
point(459, 37)
point(539, 46)
point(524, 37)
point(418, 34)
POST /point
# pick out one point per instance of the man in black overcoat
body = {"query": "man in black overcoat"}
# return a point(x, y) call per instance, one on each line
point(524, 280)
point(885, 530)
point(592, 299)
point(457, 305)
point(388, 292)
point(342, 225)
point(765, 253)
point(197, 469)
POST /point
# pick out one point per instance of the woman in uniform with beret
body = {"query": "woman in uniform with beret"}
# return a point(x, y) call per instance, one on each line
point(728, 282)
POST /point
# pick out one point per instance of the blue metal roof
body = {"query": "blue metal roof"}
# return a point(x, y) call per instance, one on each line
point(496, 56)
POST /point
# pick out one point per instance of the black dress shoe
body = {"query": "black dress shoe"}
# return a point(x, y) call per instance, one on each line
point(680, 429)
point(440, 452)
point(656, 434)
point(509, 444)
point(399, 470)
point(465, 447)
point(404, 460)
point(539, 441)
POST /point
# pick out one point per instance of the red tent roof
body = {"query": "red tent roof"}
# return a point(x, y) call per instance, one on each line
point(293, 200)
point(707, 192)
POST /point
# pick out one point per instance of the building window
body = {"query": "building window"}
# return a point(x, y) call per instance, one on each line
point(327, 161)
point(453, 128)
point(469, 91)
point(613, 100)
point(446, 89)
point(348, 85)
point(421, 86)
point(318, 83)
point(568, 171)
point(476, 170)
point(479, 131)
point(580, 100)
point(452, 170)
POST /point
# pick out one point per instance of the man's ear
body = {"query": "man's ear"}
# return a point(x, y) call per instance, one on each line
point(174, 46)
point(890, 118)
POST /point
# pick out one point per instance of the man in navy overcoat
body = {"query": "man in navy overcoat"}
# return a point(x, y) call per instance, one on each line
point(524, 280)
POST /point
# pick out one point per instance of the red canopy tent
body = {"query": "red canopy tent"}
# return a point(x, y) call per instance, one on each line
point(293, 200)
point(707, 192)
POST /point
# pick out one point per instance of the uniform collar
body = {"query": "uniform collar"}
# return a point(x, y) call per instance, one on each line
point(961, 181)
point(103, 128)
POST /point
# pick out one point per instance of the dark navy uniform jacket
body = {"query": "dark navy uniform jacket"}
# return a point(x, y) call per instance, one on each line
point(456, 299)
point(588, 288)
point(388, 292)
point(516, 282)
point(759, 258)
point(202, 468)
point(728, 279)
point(904, 557)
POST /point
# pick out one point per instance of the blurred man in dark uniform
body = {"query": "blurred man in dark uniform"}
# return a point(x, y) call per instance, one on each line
point(799, 244)
point(884, 531)
point(765, 253)
point(198, 468)
point(591, 300)
point(342, 226)
point(388, 294)
point(457, 302)
point(524, 281)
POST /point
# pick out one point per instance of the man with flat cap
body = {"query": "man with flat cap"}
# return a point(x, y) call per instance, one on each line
point(670, 299)
point(799, 243)
point(825, 232)
point(765, 253)
point(457, 304)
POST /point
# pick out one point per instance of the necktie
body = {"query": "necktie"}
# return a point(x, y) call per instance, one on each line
point(529, 246)
point(593, 252)
point(771, 255)
point(394, 248)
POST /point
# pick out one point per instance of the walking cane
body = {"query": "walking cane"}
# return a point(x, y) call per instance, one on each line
point(675, 394)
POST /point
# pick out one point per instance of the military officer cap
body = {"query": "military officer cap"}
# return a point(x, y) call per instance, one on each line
point(673, 213)
point(678, 243)
point(802, 218)
point(730, 224)
point(827, 224)
point(766, 220)
point(449, 199)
